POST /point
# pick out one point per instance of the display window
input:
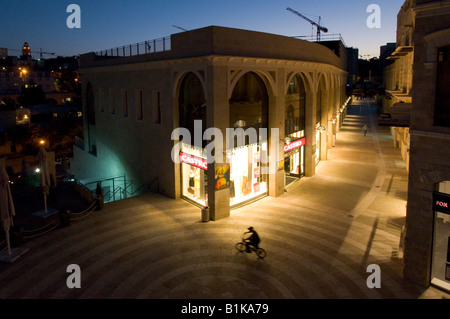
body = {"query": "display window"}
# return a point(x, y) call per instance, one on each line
point(246, 179)
point(294, 158)
point(440, 268)
point(194, 174)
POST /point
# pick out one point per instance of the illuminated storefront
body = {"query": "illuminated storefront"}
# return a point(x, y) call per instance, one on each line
point(247, 180)
point(248, 110)
point(294, 159)
point(194, 175)
point(440, 267)
point(294, 149)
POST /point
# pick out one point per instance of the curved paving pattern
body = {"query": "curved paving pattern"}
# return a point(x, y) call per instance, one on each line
point(320, 237)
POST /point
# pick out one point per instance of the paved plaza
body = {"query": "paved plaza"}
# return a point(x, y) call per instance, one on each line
point(320, 236)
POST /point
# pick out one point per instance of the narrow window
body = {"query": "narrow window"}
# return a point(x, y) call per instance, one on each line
point(139, 106)
point(125, 103)
point(111, 101)
point(442, 104)
point(157, 106)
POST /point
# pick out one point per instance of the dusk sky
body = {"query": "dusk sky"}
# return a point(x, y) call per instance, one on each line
point(110, 23)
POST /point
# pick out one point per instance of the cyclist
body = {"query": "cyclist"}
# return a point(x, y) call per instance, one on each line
point(252, 240)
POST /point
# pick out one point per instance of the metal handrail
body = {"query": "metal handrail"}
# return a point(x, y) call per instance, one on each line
point(323, 37)
point(145, 47)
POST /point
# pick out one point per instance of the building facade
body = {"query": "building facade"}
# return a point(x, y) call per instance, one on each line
point(220, 78)
point(427, 241)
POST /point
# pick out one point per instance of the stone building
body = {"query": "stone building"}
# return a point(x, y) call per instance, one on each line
point(427, 241)
point(398, 81)
point(223, 78)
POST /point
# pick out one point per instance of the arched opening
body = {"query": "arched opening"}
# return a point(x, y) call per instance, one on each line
point(295, 109)
point(192, 103)
point(249, 104)
point(192, 107)
point(321, 91)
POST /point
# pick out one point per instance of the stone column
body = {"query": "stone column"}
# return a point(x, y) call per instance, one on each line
point(217, 115)
point(276, 146)
point(310, 133)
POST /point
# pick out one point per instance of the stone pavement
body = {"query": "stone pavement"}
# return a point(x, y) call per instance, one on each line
point(320, 236)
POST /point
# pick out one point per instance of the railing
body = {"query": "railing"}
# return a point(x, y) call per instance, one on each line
point(117, 188)
point(323, 37)
point(146, 47)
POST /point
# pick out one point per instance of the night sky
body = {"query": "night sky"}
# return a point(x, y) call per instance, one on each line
point(110, 23)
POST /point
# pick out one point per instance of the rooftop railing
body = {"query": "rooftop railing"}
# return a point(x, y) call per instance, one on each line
point(323, 37)
point(146, 47)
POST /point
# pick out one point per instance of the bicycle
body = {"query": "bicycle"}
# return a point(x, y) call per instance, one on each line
point(242, 247)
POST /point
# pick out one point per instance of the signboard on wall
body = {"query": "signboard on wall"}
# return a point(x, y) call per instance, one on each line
point(441, 202)
point(222, 177)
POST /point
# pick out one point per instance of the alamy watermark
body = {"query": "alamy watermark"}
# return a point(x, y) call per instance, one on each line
point(74, 19)
point(235, 137)
point(374, 19)
point(74, 279)
point(374, 280)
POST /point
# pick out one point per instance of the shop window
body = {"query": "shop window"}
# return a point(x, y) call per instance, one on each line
point(194, 183)
point(294, 158)
point(248, 109)
point(442, 104)
point(440, 272)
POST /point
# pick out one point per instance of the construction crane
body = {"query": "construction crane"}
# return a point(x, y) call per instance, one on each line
point(319, 27)
point(175, 26)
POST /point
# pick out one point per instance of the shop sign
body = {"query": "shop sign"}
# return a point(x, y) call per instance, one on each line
point(295, 144)
point(222, 177)
point(441, 202)
point(194, 161)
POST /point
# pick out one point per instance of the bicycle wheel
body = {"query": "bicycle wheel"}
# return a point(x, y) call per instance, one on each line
point(261, 252)
point(241, 247)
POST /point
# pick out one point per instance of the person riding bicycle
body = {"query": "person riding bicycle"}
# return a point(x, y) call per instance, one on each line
point(253, 239)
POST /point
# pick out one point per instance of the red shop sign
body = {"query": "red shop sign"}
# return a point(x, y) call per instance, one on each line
point(295, 144)
point(194, 161)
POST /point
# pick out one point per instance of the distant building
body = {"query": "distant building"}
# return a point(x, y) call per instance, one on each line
point(3, 53)
point(12, 79)
point(26, 51)
point(352, 65)
point(224, 78)
point(387, 50)
point(398, 82)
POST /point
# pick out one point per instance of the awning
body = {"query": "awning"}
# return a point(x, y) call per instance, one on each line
point(398, 115)
point(400, 51)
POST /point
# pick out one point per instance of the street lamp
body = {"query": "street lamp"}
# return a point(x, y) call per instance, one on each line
point(322, 129)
